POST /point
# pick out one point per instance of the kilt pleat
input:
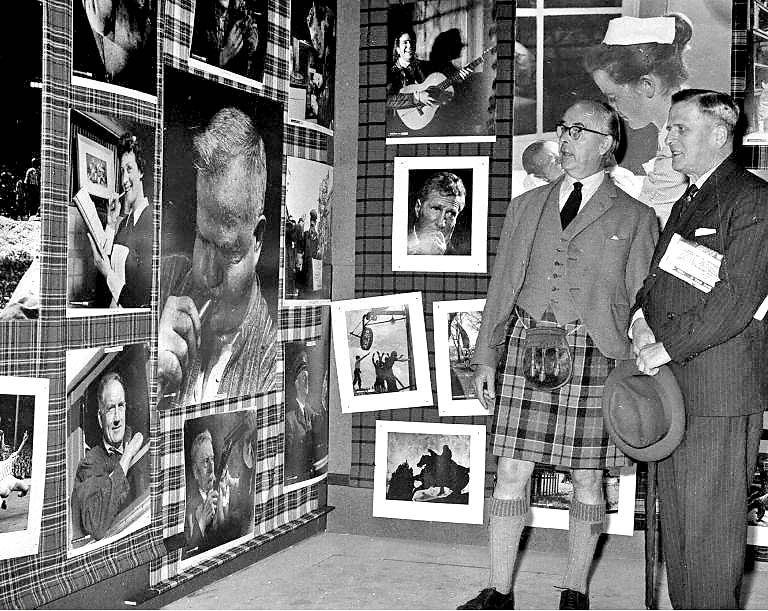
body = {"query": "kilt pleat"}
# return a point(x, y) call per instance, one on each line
point(563, 427)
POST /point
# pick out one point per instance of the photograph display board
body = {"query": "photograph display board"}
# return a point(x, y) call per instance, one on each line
point(381, 352)
point(426, 471)
point(23, 439)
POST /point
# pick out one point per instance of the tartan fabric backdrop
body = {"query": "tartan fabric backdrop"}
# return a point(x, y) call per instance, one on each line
point(37, 348)
point(373, 247)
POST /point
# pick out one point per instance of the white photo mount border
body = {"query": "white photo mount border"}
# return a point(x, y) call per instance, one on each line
point(471, 513)
point(446, 404)
point(26, 542)
point(476, 261)
point(421, 395)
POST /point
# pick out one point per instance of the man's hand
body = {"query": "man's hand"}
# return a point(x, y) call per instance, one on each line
point(177, 342)
point(206, 511)
point(485, 385)
point(233, 45)
point(131, 449)
point(642, 335)
point(432, 243)
point(425, 98)
point(651, 357)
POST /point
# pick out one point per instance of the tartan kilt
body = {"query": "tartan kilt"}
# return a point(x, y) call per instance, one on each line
point(563, 427)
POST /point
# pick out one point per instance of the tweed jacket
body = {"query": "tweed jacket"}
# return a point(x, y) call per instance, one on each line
point(718, 350)
point(608, 244)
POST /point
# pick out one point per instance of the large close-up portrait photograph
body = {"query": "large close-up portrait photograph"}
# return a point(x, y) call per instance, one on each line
point(20, 163)
point(306, 411)
point(634, 63)
point(23, 446)
point(115, 46)
point(313, 62)
point(110, 218)
point(439, 214)
point(108, 462)
point(220, 254)
point(308, 193)
point(441, 71)
point(219, 453)
point(229, 39)
point(381, 352)
point(427, 471)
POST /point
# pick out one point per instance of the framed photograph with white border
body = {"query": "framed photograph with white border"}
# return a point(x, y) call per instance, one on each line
point(380, 347)
point(552, 492)
point(440, 214)
point(23, 446)
point(96, 167)
point(456, 324)
point(429, 471)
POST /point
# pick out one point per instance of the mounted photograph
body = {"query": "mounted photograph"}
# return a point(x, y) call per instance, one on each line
point(381, 353)
point(440, 214)
point(441, 72)
point(313, 64)
point(114, 46)
point(220, 232)
point(552, 494)
point(110, 218)
point(427, 471)
point(23, 447)
point(108, 462)
point(308, 265)
point(220, 453)
point(456, 325)
point(229, 39)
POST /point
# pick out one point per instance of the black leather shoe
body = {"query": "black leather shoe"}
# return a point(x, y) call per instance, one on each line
point(572, 599)
point(490, 598)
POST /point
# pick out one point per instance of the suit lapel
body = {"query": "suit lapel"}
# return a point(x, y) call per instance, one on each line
point(601, 201)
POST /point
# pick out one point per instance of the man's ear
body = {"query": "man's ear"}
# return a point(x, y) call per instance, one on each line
point(417, 208)
point(647, 86)
point(258, 235)
point(606, 145)
point(98, 419)
point(720, 135)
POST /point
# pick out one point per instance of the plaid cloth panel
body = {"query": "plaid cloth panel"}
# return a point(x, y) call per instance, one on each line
point(562, 428)
point(307, 143)
point(38, 348)
point(179, 22)
point(375, 186)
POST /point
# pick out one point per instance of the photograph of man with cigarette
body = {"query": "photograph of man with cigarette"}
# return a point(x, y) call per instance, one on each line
point(217, 334)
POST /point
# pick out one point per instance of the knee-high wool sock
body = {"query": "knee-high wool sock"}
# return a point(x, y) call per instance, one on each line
point(585, 523)
point(507, 518)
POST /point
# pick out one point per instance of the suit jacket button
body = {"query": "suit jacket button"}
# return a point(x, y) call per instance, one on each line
point(671, 316)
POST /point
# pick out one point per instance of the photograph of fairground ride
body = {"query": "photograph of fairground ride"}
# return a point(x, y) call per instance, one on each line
point(380, 350)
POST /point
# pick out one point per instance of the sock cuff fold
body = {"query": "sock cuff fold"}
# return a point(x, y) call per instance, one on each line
point(587, 513)
point(506, 508)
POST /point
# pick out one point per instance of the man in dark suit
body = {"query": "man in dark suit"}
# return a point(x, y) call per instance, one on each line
point(572, 255)
point(716, 349)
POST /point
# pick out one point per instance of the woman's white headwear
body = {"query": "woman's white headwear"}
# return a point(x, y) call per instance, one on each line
point(640, 30)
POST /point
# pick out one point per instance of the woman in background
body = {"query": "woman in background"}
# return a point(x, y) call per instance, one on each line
point(638, 66)
point(128, 268)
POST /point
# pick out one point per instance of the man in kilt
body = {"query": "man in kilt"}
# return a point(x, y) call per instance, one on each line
point(572, 256)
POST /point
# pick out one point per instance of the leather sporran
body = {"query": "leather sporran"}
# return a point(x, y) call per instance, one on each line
point(547, 358)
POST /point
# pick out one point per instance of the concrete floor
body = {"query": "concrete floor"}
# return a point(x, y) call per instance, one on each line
point(342, 571)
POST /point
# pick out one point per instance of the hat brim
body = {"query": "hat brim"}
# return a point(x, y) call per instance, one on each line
point(673, 405)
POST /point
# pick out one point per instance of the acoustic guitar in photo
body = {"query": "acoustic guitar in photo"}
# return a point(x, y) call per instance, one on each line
point(441, 87)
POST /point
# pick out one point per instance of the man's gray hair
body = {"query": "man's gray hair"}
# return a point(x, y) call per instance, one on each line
point(609, 121)
point(716, 105)
point(103, 381)
point(198, 441)
point(231, 135)
point(446, 184)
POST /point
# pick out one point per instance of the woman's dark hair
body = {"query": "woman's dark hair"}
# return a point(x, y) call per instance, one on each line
point(130, 144)
point(628, 63)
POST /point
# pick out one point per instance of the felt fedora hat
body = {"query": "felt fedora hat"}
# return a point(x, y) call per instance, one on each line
point(644, 415)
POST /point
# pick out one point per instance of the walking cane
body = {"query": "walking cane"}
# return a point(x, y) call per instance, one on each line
point(650, 538)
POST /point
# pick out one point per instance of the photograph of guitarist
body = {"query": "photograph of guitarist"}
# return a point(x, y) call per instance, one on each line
point(407, 69)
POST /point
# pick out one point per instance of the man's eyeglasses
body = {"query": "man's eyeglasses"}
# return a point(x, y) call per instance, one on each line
point(574, 131)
